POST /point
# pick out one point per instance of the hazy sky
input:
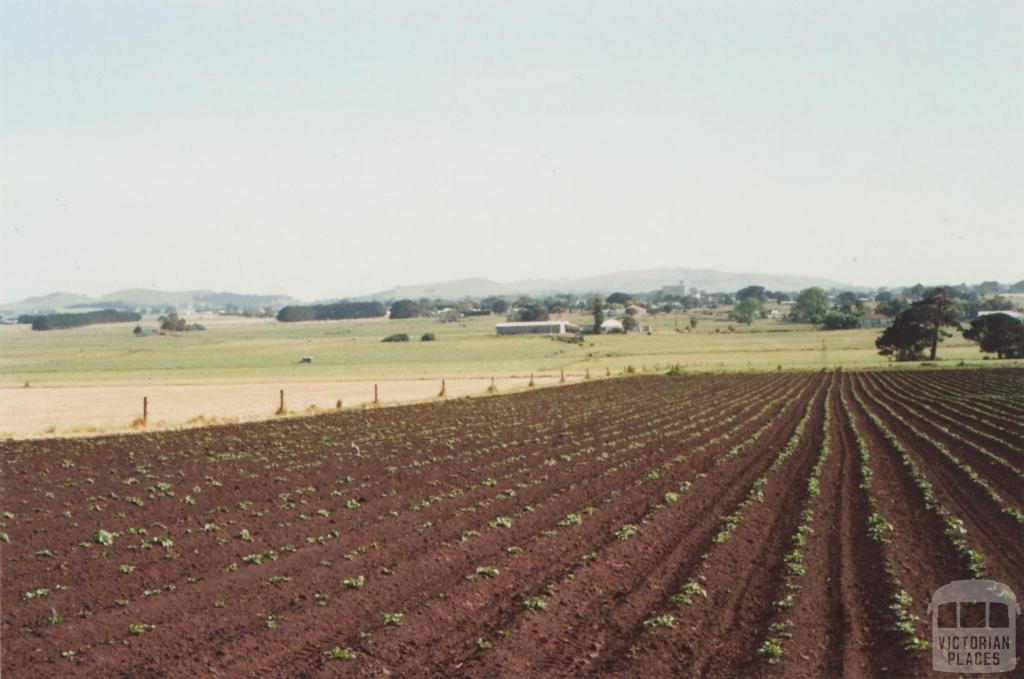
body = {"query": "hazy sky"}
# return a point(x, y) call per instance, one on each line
point(322, 149)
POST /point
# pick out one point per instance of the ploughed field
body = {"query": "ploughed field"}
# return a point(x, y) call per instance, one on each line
point(790, 524)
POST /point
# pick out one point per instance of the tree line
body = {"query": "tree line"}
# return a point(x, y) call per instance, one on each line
point(330, 312)
point(77, 320)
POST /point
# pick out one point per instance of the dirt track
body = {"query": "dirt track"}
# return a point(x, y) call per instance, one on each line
point(641, 526)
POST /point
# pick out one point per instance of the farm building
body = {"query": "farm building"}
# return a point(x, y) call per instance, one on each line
point(611, 325)
point(537, 327)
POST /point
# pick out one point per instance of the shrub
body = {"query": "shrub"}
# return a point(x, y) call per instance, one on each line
point(428, 337)
point(397, 337)
point(837, 320)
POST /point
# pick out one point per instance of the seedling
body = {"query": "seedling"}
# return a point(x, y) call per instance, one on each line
point(339, 653)
point(355, 582)
point(393, 619)
point(771, 649)
point(571, 520)
point(535, 603)
point(666, 620)
point(627, 531)
point(690, 590)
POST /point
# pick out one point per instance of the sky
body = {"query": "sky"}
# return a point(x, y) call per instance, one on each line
point(324, 149)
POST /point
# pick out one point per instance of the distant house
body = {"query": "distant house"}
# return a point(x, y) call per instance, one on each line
point(146, 332)
point(537, 328)
point(612, 325)
point(875, 321)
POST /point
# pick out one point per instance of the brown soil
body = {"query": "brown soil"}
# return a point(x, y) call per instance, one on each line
point(231, 544)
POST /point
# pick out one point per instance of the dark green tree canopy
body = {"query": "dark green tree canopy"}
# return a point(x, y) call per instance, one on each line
point(923, 321)
point(495, 304)
point(905, 340)
point(849, 303)
point(532, 312)
point(752, 292)
point(999, 334)
point(77, 320)
point(838, 320)
point(333, 311)
point(619, 298)
point(405, 308)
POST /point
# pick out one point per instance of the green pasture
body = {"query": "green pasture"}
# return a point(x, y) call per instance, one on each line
point(234, 348)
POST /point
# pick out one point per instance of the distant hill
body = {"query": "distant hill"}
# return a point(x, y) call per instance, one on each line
point(140, 298)
point(647, 280)
point(624, 281)
point(52, 302)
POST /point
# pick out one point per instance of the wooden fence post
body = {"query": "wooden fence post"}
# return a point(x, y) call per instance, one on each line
point(444, 389)
point(280, 408)
point(531, 380)
point(376, 395)
point(588, 373)
point(561, 380)
point(145, 409)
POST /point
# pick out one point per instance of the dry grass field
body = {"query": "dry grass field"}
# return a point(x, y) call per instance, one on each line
point(92, 380)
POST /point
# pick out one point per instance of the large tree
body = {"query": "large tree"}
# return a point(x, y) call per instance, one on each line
point(811, 306)
point(936, 311)
point(745, 311)
point(598, 314)
point(920, 327)
point(752, 292)
point(849, 303)
point(906, 339)
point(998, 334)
